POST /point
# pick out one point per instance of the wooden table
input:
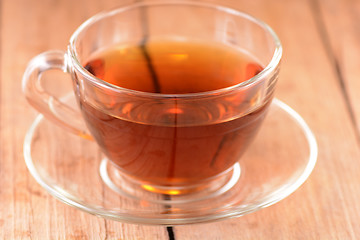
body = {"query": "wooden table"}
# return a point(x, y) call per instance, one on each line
point(319, 78)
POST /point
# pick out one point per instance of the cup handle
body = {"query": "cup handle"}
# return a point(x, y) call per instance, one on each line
point(51, 107)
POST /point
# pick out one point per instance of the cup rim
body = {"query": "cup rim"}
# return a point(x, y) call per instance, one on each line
point(271, 66)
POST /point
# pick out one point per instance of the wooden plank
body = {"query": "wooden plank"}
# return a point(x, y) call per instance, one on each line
point(325, 206)
point(26, 210)
point(338, 24)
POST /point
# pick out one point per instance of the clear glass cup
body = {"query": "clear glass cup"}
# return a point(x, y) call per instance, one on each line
point(166, 143)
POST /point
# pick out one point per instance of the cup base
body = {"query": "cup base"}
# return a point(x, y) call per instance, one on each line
point(128, 186)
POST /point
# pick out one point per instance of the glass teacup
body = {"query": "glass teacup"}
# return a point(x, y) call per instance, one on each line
point(172, 92)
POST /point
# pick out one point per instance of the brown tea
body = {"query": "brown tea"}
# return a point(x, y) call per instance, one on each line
point(171, 152)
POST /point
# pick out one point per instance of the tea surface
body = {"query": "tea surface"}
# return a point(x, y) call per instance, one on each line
point(173, 67)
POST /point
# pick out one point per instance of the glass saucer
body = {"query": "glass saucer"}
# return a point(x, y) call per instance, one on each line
point(74, 171)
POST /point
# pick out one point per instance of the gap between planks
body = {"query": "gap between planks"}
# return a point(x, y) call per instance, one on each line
point(325, 38)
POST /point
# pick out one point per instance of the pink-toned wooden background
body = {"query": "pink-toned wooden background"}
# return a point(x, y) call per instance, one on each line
point(319, 78)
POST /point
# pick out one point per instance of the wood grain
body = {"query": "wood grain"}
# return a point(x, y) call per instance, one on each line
point(319, 79)
point(27, 211)
point(325, 206)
